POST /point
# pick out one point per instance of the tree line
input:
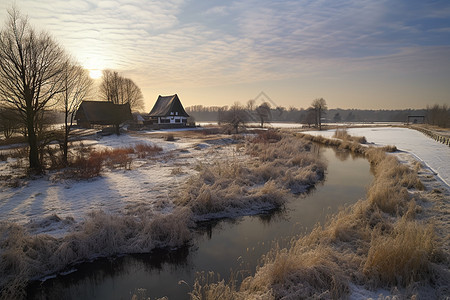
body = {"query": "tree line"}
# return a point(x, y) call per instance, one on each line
point(435, 115)
point(37, 76)
point(238, 115)
point(439, 115)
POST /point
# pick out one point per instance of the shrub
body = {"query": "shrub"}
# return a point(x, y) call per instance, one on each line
point(118, 157)
point(88, 167)
point(267, 136)
point(88, 163)
point(169, 137)
point(143, 150)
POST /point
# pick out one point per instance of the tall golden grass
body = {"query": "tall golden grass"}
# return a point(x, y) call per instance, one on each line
point(374, 243)
point(24, 256)
point(235, 187)
point(342, 133)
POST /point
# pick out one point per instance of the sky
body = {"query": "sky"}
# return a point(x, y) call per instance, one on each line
point(380, 54)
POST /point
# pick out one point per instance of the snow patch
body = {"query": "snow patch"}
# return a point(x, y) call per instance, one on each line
point(434, 155)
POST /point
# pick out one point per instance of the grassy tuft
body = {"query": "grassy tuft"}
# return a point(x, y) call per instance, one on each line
point(403, 256)
point(24, 256)
point(267, 136)
point(375, 243)
point(85, 167)
point(259, 183)
point(341, 133)
point(144, 150)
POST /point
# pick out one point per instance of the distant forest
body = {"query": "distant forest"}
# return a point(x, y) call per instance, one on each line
point(294, 115)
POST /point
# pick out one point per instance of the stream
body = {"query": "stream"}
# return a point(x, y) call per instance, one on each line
point(223, 247)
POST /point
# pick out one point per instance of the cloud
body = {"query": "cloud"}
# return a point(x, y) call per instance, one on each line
point(200, 43)
point(218, 10)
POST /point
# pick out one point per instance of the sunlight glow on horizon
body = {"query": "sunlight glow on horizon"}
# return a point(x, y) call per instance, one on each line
point(95, 73)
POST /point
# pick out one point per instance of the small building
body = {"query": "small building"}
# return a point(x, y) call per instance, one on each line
point(416, 120)
point(102, 113)
point(168, 110)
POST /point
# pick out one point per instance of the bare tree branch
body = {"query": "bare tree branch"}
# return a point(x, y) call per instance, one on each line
point(31, 72)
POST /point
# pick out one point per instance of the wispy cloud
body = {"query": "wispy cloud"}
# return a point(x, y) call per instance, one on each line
point(181, 42)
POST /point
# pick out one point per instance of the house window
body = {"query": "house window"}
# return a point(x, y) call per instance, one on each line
point(177, 120)
point(171, 113)
point(176, 113)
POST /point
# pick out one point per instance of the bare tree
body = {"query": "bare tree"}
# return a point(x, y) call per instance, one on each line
point(264, 113)
point(310, 117)
point(108, 86)
point(236, 116)
point(438, 115)
point(9, 121)
point(337, 117)
point(31, 66)
point(77, 88)
point(320, 106)
point(251, 104)
point(132, 94)
point(120, 90)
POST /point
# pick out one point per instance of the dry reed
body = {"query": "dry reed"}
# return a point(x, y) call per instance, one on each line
point(342, 133)
point(24, 256)
point(374, 243)
point(241, 187)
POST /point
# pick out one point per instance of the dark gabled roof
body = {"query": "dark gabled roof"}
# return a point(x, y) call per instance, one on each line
point(103, 112)
point(167, 104)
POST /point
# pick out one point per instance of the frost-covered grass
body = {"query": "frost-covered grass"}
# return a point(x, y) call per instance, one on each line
point(24, 256)
point(342, 133)
point(52, 222)
point(240, 187)
point(431, 153)
point(376, 243)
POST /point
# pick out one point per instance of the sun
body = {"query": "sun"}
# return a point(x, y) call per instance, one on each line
point(95, 73)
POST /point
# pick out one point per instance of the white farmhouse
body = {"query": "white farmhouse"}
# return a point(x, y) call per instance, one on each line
point(168, 110)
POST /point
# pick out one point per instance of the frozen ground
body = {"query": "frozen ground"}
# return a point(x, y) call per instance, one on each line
point(146, 187)
point(434, 155)
point(435, 175)
point(148, 184)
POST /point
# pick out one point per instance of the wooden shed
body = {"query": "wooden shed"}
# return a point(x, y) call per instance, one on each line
point(102, 113)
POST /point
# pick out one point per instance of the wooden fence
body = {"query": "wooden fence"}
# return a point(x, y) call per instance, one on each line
point(435, 136)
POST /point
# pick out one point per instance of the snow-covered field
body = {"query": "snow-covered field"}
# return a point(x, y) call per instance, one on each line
point(434, 155)
point(146, 186)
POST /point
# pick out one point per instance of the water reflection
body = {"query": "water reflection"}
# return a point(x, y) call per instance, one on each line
point(221, 246)
point(343, 155)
